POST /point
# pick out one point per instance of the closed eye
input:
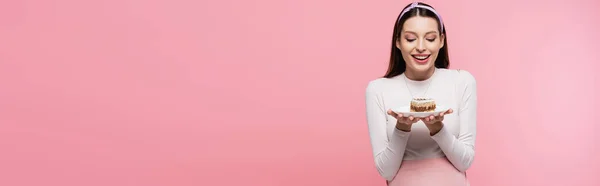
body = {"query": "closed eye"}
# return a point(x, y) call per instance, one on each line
point(411, 40)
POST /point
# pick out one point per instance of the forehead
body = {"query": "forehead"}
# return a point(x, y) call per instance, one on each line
point(420, 25)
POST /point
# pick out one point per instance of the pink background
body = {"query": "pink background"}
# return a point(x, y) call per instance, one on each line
point(134, 92)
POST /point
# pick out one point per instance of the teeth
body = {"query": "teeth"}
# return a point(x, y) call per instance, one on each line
point(421, 57)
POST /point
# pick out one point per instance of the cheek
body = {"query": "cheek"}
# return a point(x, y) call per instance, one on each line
point(434, 46)
point(405, 46)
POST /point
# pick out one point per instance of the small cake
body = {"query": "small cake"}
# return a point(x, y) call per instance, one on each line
point(422, 105)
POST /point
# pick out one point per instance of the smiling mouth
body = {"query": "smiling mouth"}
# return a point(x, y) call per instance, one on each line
point(421, 57)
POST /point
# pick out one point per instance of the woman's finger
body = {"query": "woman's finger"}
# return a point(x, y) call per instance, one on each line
point(428, 118)
point(392, 113)
point(408, 120)
point(415, 119)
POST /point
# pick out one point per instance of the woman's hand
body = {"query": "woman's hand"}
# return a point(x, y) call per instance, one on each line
point(403, 123)
point(434, 123)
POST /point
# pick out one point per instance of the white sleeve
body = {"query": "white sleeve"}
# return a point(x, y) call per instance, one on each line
point(387, 154)
point(460, 150)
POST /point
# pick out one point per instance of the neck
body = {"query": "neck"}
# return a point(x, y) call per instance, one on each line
point(419, 76)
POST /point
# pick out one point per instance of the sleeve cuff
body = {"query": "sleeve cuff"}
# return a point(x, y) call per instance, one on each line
point(399, 135)
point(443, 136)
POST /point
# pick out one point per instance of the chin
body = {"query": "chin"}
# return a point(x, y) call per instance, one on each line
point(422, 66)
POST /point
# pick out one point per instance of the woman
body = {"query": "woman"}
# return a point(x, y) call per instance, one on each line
point(434, 150)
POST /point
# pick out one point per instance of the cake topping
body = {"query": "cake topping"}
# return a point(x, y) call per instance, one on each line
point(421, 98)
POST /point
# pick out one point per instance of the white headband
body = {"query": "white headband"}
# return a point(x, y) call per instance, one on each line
point(417, 5)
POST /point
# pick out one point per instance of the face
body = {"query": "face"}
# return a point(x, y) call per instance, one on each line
point(420, 43)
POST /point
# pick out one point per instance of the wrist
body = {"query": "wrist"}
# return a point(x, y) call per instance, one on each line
point(436, 128)
point(403, 127)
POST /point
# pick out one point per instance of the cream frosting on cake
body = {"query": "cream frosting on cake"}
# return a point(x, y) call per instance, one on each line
point(422, 104)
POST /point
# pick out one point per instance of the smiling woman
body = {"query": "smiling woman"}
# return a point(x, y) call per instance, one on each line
point(422, 151)
point(423, 23)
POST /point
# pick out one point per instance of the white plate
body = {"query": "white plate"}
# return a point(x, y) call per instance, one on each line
point(405, 111)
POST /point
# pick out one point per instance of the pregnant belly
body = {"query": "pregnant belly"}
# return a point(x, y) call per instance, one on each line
point(428, 172)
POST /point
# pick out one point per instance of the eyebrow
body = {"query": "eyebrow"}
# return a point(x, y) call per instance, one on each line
point(417, 34)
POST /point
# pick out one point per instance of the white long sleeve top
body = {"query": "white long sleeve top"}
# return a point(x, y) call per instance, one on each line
point(455, 89)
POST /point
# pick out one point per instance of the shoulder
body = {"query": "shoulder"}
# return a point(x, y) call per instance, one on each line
point(466, 78)
point(378, 85)
point(375, 83)
point(460, 77)
point(375, 86)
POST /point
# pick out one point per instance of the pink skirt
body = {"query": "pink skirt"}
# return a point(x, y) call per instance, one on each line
point(429, 172)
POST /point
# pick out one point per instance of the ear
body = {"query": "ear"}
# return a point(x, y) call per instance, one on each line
point(442, 39)
point(398, 43)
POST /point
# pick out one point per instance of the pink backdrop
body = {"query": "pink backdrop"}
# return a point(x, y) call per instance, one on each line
point(134, 92)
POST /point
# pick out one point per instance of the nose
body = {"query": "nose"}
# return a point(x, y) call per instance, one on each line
point(421, 47)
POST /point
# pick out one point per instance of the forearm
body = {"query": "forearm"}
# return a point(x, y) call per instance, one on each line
point(389, 158)
point(459, 153)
